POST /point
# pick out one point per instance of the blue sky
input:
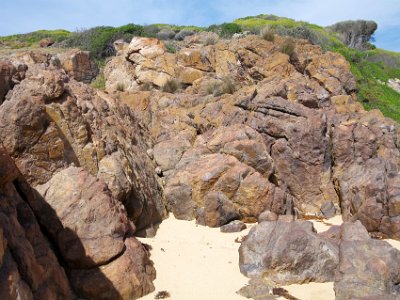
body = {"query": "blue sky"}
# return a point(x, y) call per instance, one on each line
point(20, 16)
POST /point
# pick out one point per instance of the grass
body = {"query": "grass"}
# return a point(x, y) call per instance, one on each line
point(32, 39)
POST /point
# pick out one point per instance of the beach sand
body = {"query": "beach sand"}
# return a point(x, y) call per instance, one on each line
point(195, 262)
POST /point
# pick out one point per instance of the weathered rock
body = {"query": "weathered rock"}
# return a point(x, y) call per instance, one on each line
point(7, 71)
point(328, 209)
point(78, 65)
point(234, 226)
point(367, 267)
point(129, 276)
point(267, 216)
point(87, 223)
point(46, 42)
point(29, 268)
point(48, 125)
point(288, 252)
point(366, 171)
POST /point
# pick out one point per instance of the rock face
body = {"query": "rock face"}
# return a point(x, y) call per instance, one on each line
point(78, 65)
point(49, 124)
point(7, 71)
point(299, 143)
point(29, 269)
point(367, 267)
point(288, 252)
point(94, 236)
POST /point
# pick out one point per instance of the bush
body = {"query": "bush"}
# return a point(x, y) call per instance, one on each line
point(210, 40)
point(227, 86)
point(100, 82)
point(180, 36)
point(355, 34)
point(287, 47)
point(225, 30)
point(147, 86)
point(166, 34)
point(171, 86)
point(120, 87)
point(267, 34)
point(170, 48)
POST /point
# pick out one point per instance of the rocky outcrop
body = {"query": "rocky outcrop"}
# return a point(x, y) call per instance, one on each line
point(50, 122)
point(78, 65)
point(284, 252)
point(94, 236)
point(7, 71)
point(29, 269)
point(368, 268)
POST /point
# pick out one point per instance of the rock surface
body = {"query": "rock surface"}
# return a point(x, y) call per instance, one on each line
point(368, 269)
point(78, 65)
point(29, 269)
point(288, 252)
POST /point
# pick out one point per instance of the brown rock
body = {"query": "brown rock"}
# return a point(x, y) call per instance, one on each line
point(78, 65)
point(288, 252)
point(88, 225)
point(7, 71)
point(367, 267)
point(46, 42)
point(29, 268)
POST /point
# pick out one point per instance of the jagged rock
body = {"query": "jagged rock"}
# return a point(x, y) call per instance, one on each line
point(48, 125)
point(7, 71)
point(288, 252)
point(366, 172)
point(328, 209)
point(29, 268)
point(367, 267)
point(234, 226)
point(78, 65)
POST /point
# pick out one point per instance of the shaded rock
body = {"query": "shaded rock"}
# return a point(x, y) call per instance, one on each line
point(127, 277)
point(234, 226)
point(328, 209)
point(367, 267)
point(29, 269)
point(88, 225)
point(287, 252)
point(7, 71)
point(78, 65)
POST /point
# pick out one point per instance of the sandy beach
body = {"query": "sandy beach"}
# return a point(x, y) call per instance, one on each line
point(194, 262)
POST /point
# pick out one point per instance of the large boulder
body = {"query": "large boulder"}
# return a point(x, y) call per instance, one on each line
point(367, 268)
point(29, 269)
point(284, 252)
point(92, 231)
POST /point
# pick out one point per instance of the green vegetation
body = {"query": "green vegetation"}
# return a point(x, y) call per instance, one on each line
point(171, 86)
point(32, 39)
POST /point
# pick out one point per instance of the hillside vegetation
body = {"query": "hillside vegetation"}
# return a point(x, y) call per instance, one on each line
point(372, 67)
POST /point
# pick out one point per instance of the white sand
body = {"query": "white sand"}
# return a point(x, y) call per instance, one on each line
point(194, 262)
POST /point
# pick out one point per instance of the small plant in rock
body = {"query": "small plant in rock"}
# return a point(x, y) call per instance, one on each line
point(227, 86)
point(211, 40)
point(170, 48)
point(268, 34)
point(100, 82)
point(147, 86)
point(120, 87)
point(171, 86)
point(288, 47)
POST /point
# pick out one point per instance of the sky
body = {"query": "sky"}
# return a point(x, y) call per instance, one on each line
point(21, 16)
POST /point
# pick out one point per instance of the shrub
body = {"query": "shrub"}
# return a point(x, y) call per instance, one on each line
point(147, 86)
point(166, 34)
point(226, 30)
point(287, 47)
point(267, 34)
point(151, 30)
point(210, 40)
point(170, 48)
point(120, 87)
point(99, 82)
point(180, 36)
point(171, 86)
point(227, 86)
point(355, 34)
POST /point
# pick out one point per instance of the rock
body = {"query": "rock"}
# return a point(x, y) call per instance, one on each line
point(366, 172)
point(46, 42)
point(234, 226)
point(267, 216)
point(78, 202)
point(29, 269)
point(256, 289)
point(7, 71)
point(147, 47)
point(92, 231)
point(81, 128)
point(127, 277)
point(119, 72)
point(328, 209)
point(181, 35)
point(78, 65)
point(287, 253)
point(394, 84)
point(367, 267)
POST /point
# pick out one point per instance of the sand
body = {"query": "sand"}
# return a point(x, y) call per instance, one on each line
point(194, 262)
